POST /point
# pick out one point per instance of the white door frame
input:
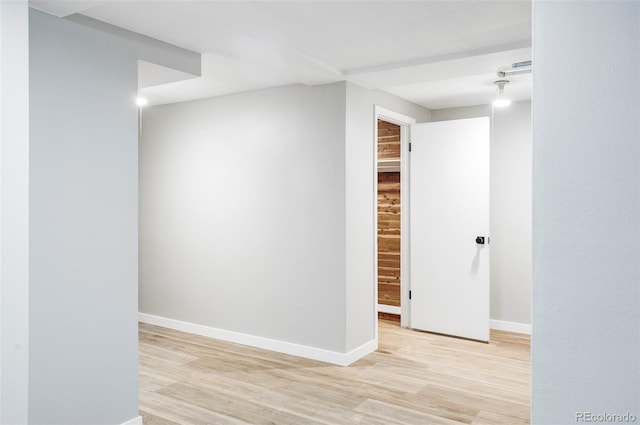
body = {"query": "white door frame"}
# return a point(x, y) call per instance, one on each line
point(405, 123)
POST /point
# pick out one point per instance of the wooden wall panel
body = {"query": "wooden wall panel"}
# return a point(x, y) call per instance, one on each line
point(388, 217)
point(388, 140)
point(389, 238)
point(387, 316)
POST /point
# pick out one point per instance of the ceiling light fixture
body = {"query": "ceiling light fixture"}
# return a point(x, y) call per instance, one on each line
point(141, 101)
point(501, 101)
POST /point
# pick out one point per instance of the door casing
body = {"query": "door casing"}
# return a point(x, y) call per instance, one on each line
point(405, 123)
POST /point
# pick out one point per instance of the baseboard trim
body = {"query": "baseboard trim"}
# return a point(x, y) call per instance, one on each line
point(327, 356)
point(360, 352)
point(389, 309)
point(502, 325)
point(134, 421)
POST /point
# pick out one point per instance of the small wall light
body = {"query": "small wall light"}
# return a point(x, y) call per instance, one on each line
point(141, 101)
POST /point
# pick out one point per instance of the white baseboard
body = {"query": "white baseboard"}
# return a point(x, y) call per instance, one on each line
point(134, 421)
point(502, 325)
point(327, 356)
point(360, 352)
point(390, 309)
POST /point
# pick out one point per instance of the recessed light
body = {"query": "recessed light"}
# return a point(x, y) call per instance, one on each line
point(141, 101)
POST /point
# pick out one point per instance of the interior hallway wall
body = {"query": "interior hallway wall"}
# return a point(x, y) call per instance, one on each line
point(510, 204)
point(361, 171)
point(242, 214)
point(14, 211)
point(83, 224)
point(257, 213)
point(586, 210)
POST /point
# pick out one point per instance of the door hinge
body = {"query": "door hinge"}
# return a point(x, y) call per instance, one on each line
point(409, 146)
point(409, 294)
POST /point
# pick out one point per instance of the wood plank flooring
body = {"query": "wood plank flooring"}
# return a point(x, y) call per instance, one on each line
point(414, 378)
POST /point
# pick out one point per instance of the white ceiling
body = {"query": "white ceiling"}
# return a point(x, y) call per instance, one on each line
point(435, 53)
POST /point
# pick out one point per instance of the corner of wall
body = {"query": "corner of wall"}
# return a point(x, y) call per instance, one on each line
point(135, 421)
point(14, 210)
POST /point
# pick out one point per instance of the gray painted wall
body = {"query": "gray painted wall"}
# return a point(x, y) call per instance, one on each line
point(83, 226)
point(14, 211)
point(361, 235)
point(511, 162)
point(257, 213)
point(242, 212)
point(586, 193)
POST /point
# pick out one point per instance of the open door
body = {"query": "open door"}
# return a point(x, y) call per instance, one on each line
point(449, 227)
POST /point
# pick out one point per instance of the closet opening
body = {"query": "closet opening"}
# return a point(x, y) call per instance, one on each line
point(388, 211)
point(391, 216)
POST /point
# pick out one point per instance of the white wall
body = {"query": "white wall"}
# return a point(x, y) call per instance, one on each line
point(83, 226)
point(510, 207)
point(242, 212)
point(586, 209)
point(361, 235)
point(14, 211)
point(257, 213)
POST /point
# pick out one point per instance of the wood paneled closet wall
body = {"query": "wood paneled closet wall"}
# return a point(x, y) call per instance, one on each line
point(388, 214)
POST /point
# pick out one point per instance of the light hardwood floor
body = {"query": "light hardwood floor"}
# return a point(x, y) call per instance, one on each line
point(414, 378)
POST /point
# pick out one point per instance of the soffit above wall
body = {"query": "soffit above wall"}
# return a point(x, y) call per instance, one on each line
point(394, 45)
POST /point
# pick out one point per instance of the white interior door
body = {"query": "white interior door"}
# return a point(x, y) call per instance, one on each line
point(449, 209)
